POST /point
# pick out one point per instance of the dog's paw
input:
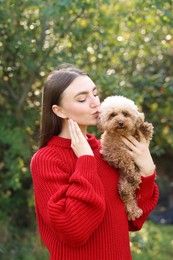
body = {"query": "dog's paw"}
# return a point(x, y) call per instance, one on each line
point(136, 213)
point(147, 130)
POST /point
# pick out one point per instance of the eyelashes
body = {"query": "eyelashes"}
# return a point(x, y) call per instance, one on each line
point(83, 100)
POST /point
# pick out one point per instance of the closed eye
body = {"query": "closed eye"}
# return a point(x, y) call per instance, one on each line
point(83, 96)
point(95, 92)
point(81, 101)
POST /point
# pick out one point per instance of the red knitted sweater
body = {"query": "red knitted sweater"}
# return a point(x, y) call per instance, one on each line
point(79, 212)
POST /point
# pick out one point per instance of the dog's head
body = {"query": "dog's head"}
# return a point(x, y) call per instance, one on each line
point(119, 114)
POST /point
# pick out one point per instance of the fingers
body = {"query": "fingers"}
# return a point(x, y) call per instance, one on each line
point(79, 143)
point(134, 145)
point(73, 129)
point(131, 143)
point(131, 140)
point(140, 153)
point(143, 139)
point(134, 141)
point(75, 132)
point(135, 148)
point(74, 135)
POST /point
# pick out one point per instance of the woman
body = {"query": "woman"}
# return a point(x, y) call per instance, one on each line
point(79, 212)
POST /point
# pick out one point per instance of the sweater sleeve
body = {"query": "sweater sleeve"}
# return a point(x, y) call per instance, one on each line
point(73, 205)
point(147, 197)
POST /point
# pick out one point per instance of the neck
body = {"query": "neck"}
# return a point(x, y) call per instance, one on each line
point(65, 130)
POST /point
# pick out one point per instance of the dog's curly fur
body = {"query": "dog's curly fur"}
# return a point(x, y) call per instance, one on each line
point(119, 116)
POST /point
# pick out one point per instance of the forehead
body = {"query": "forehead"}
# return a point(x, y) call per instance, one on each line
point(79, 84)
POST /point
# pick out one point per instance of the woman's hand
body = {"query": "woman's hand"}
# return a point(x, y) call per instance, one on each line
point(79, 143)
point(139, 151)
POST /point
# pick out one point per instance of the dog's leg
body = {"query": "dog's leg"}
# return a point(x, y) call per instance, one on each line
point(127, 194)
point(130, 172)
point(133, 210)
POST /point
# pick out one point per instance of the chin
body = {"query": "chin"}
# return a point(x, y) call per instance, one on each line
point(87, 123)
point(93, 123)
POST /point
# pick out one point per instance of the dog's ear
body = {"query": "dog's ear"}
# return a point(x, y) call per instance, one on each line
point(140, 119)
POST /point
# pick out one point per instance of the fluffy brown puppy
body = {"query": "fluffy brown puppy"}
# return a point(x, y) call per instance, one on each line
point(119, 116)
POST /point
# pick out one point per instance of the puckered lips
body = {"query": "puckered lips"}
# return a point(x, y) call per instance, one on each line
point(96, 113)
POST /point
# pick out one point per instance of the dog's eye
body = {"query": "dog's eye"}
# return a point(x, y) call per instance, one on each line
point(112, 115)
point(125, 114)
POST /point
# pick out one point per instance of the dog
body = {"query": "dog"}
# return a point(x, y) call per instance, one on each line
point(120, 116)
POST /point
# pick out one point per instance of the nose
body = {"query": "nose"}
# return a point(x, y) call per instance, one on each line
point(95, 101)
point(121, 124)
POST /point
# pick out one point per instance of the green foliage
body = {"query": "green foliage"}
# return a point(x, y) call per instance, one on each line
point(145, 241)
point(126, 47)
point(19, 244)
point(152, 242)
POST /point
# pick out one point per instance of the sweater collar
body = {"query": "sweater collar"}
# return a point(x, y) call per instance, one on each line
point(65, 142)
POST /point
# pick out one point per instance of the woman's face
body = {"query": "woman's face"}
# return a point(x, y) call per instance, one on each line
point(80, 101)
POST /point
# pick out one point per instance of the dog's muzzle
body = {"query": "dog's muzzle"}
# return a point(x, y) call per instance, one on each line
point(120, 124)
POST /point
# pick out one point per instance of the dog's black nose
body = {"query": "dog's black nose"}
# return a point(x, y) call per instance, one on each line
point(121, 124)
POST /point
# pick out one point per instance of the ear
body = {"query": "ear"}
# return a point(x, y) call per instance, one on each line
point(58, 110)
point(140, 119)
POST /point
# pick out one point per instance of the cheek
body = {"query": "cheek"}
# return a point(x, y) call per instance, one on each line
point(110, 124)
point(131, 121)
point(75, 109)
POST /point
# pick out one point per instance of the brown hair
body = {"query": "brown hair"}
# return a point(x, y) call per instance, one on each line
point(55, 84)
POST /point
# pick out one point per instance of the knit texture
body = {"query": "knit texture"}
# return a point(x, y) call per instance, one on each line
point(79, 212)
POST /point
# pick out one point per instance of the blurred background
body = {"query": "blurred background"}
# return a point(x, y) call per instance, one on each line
point(127, 49)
